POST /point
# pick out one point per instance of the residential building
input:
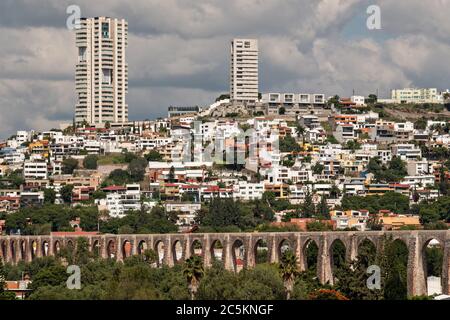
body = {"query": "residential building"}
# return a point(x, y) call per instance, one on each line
point(244, 85)
point(358, 100)
point(102, 71)
point(416, 95)
point(396, 222)
point(350, 219)
point(35, 170)
point(119, 200)
point(407, 151)
point(248, 191)
point(181, 111)
point(186, 211)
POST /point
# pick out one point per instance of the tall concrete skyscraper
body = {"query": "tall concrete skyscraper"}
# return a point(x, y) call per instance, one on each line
point(244, 70)
point(101, 72)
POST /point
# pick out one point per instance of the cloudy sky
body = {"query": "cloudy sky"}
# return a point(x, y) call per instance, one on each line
point(178, 51)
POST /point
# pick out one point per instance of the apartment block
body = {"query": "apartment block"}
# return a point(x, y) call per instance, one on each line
point(416, 95)
point(244, 83)
point(35, 170)
point(101, 71)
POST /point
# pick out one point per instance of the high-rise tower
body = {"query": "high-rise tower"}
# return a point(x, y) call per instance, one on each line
point(244, 70)
point(101, 72)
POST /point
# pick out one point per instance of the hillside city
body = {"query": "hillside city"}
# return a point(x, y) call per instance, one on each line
point(250, 161)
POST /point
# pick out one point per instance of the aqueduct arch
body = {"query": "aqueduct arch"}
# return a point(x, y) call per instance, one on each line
point(17, 248)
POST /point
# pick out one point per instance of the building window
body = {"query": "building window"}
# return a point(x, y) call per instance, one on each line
point(105, 30)
point(82, 54)
point(106, 76)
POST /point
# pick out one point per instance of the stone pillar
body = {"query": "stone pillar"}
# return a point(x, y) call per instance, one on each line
point(7, 246)
point(324, 272)
point(446, 269)
point(134, 246)
point(51, 247)
point(250, 252)
point(103, 247)
point(273, 250)
point(168, 252)
point(207, 251)
point(187, 248)
point(299, 253)
point(28, 250)
point(151, 244)
point(302, 264)
point(352, 250)
point(38, 248)
point(15, 249)
point(228, 254)
point(415, 271)
point(119, 249)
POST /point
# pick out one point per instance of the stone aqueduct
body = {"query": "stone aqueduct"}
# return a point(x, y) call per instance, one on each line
point(27, 248)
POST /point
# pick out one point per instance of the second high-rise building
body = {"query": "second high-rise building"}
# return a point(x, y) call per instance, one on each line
point(101, 72)
point(244, 71)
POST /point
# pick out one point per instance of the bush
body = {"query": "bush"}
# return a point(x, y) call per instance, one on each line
point(90, 162)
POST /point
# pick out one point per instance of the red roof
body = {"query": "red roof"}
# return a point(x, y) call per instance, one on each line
point(74, 233)
point(171, 185)
point(399, 185)
point(189, 187)
point(10, 198)
point(114, 188)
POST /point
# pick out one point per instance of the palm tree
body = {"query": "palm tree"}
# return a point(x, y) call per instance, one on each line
point(193, 271)
point(288, 271)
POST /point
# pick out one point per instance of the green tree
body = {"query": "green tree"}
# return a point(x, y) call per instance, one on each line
point(16, 178)
point(444, 185)
point(353, 145)
point(307, 208)
point(69, 165)
point(323, 211)
point(420, 124)
point(288, 271)
point(52, 276)
point(4, 295)
point(90, 162)
point(66, 193)
point(372, 99)
point(317, 226)
point(193, 271)
point(318, 168)
point(171, 176)
point(118, 177)
point(153, 155)
point(136, 169)
point(49, 196)
point(288, 144)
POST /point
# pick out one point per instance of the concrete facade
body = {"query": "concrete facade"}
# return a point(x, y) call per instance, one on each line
point(102, 71)
point(244, 70)
point(16, 248)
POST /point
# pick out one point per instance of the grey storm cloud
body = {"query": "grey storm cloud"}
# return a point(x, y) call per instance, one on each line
point(178, 51)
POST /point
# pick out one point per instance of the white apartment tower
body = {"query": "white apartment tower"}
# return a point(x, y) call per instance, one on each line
point(244, 70)
point(101, 72)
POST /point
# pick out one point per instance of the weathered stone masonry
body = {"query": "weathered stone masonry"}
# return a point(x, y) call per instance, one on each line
point(27, 248)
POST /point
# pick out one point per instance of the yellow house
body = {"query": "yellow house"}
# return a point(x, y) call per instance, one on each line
point(39, 147)
point(397, 222)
